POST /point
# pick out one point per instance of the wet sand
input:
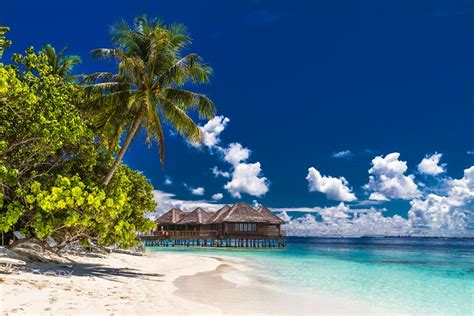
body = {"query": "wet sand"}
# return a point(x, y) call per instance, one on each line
point(249, 292)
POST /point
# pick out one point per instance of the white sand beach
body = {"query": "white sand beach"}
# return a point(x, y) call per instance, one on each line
point(158, 283)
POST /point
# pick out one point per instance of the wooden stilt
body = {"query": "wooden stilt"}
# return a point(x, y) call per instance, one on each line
point(238, 242)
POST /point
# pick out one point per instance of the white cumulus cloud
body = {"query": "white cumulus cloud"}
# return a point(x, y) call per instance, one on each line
point(246, 179)
point(166, 201)
point(436, 215)
point(217, 196)
point(430, 165)
point(341, 220)
point(463, 189)
point(449, 214)
point(197, 191)
point(334, 188)
point(387, 179)
point(236, 153)
point(342, 154)
point(219, 173)
point(211, 131)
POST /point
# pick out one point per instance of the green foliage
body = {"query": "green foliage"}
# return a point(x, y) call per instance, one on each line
point(71, 210)
point(51, 167)
point(62, 65)
point(4, 43)
point(148, 88)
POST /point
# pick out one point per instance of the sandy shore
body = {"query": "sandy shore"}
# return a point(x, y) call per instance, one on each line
point(158, 283)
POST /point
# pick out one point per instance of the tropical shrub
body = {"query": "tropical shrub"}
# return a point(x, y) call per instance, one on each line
point(52, 167)
point(4, 43)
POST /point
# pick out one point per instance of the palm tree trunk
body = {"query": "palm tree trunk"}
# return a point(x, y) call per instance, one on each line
point(128, 139)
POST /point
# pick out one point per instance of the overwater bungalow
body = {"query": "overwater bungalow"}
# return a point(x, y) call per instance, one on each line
point(239, 225)
point(169, 219)
point(274, 222)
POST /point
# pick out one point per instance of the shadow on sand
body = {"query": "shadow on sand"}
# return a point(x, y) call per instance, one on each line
point(89, 270)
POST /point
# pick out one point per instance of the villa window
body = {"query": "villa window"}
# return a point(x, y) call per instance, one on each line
point(245, 227)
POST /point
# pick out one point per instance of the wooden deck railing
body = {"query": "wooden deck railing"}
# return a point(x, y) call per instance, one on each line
point(181, 233)
point(255, 234)
point(209, 233)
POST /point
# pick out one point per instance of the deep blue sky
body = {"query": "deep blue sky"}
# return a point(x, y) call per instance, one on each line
point(299, 80)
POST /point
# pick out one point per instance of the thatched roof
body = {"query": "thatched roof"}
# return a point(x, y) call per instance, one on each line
point(243, 213)
point(198, 216)
point(216, 218)
point(238, 213)
point(270, 216)
point(170, 217)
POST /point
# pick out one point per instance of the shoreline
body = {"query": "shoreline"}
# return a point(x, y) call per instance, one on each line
point(237, 290)
point(160, 283)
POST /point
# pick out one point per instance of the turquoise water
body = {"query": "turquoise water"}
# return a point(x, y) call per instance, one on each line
point(403, 275)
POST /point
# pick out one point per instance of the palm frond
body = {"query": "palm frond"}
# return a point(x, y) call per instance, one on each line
point(206, 107)
point(107, 53)
point(154, 130)
point(176, 74)
point(179, 120)
point(76, 59)
point(159, 51)
point(199, 73)
point(61, 64)
point(101, 77)
point(184, 98)
point(135, 101)
point(121, 34)
point(50, 53)
point(187, 99)
point(107, 87)
point(179, 36)
point(105, 102)
point(67, 65)
point(134, 68)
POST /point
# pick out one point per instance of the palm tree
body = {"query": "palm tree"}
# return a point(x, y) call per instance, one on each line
point(148, 87)
point(62, 65)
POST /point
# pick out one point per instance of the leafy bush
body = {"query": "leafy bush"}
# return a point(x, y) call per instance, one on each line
point(52, 166)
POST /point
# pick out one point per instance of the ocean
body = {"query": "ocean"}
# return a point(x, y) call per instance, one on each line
point(429, 276)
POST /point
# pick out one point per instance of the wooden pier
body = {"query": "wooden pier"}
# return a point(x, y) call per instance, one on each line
point(173, 239)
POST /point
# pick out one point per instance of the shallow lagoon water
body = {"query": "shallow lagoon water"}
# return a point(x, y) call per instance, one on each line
point(402, 275)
